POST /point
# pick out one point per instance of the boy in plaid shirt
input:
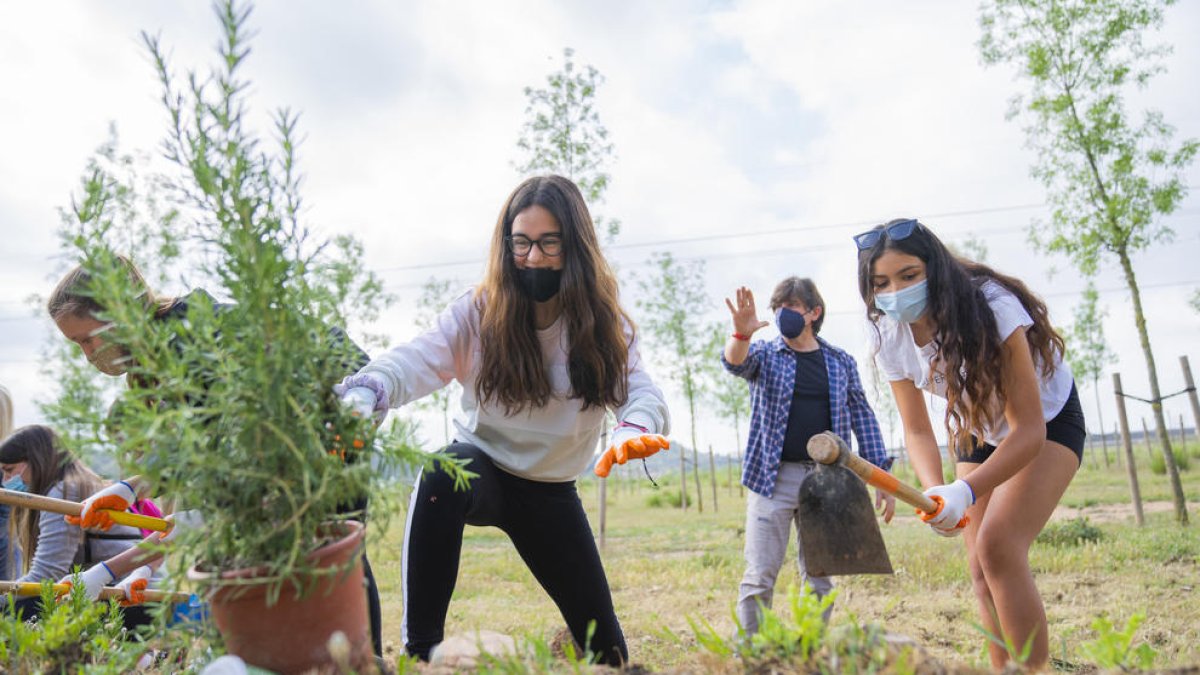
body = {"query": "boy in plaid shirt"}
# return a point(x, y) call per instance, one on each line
point(800, 385)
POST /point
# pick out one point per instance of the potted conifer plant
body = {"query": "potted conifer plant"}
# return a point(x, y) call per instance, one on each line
point(229, 410)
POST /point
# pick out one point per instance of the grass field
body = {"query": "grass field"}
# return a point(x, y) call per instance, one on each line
point(666, 566)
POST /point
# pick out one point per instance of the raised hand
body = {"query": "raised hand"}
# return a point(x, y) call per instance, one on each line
point(744, 313)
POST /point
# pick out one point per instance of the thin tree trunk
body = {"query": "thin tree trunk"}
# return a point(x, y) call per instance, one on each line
point(603, 492)
point(1134, 490)
point(695, 451)
point(1149, 440)
point(712, 471)
point(683, 498)
point(1181, 514)
point(737, 450)
point(1192, 397)
point(1100, 419)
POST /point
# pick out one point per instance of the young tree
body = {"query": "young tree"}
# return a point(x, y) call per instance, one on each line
point(119, 187)
point(563, 135)
point(1108, 176)
point(674, 302)
point(435, 295)
point(1087, 350)
point(731, 395)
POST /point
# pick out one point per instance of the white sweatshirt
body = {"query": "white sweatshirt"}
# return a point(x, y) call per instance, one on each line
point(554, 443)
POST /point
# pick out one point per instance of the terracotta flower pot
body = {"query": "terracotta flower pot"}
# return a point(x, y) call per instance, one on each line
point(292, 635)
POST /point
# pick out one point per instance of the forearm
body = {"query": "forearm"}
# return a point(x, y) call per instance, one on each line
point(141, 487)
point(148, 552)
point(1011, 455)
point(925, 457)
point(736, 351)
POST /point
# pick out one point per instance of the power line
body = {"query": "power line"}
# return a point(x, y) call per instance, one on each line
point(783, 230)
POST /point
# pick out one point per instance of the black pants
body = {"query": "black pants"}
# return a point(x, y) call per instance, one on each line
point(547, 524)
point(374, 610)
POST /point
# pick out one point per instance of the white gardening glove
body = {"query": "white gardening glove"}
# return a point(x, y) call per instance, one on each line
point(364, 395)
point(117, 497)
point(135, 584)
point(181, 521)
point(94, 579)
point(950, 518)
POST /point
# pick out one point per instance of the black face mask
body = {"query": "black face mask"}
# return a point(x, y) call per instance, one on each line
point(539, 283)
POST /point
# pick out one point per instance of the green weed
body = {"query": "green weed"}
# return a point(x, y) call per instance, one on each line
point(1114, 648)
point(1158, 465)
point(1070, 533)
point(72, 635)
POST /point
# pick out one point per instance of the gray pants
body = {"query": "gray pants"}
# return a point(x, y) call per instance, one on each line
point(768, 526)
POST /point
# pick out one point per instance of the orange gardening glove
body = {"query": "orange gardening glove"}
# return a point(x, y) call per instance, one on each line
point(134, 586)
point(117, 497)
point(629, 443)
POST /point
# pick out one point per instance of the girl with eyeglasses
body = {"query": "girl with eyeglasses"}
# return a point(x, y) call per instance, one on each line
point(983, 342)
point(543, 349)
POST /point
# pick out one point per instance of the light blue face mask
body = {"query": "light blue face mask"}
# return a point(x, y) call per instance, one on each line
point(905, 305)
point(16, 483)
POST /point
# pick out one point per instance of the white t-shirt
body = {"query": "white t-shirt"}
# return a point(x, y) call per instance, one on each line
point(900, 358)
point(553, 443)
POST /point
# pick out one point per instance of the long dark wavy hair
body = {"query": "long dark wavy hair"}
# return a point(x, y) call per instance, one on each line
point(48, 463)
point(965, 333)
point(512, 373)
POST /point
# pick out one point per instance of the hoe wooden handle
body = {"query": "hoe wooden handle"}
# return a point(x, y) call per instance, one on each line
point(68, 508)
point(108, 592)
point(829, 448)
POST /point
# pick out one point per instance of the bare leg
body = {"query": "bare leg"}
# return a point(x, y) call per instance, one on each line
point(1004, 526)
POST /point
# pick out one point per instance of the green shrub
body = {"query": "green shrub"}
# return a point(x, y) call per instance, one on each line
point(1158, 465)
point(74, 635)
point(1114, 649)
point(1070, 533)
point(665, 498)
point(791, 637)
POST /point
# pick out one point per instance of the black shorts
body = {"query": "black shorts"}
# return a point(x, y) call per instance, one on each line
point(1067, 429)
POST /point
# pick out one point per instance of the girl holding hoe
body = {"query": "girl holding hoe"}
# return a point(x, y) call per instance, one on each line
point(981, 340)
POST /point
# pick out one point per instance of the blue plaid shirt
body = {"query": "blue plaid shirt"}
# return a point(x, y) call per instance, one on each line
point(770, 368)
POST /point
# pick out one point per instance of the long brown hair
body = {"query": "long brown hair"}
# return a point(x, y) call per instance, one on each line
point(965, 332)
point(72, 297)
point(48, 463)
point(512, 373)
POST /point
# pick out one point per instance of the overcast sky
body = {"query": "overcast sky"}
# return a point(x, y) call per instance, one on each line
point(766, 132)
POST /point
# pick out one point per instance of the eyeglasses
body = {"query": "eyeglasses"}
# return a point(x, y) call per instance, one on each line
point(896, 231)
point(520, 245)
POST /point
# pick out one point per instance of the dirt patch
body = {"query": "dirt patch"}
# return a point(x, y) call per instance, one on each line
point(1115, 513)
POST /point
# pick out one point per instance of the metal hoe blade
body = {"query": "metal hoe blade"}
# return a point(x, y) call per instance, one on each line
point(837, 525)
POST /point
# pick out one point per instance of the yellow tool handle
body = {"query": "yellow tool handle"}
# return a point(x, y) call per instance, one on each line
point(108, 592)
point(829, 448)
point(68, 508)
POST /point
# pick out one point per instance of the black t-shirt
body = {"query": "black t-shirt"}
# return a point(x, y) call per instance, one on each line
point(809, 413)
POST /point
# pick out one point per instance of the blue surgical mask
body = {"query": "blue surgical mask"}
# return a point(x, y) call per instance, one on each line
point(16, 484)
point(790, 322)
point(905, 305)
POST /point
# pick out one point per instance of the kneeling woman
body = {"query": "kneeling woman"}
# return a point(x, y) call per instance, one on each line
point(33, 461)
point(542, 348)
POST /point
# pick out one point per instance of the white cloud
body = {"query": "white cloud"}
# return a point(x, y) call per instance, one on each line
point(764, 115)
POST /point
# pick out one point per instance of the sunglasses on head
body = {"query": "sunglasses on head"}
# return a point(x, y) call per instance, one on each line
point(896, 231)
